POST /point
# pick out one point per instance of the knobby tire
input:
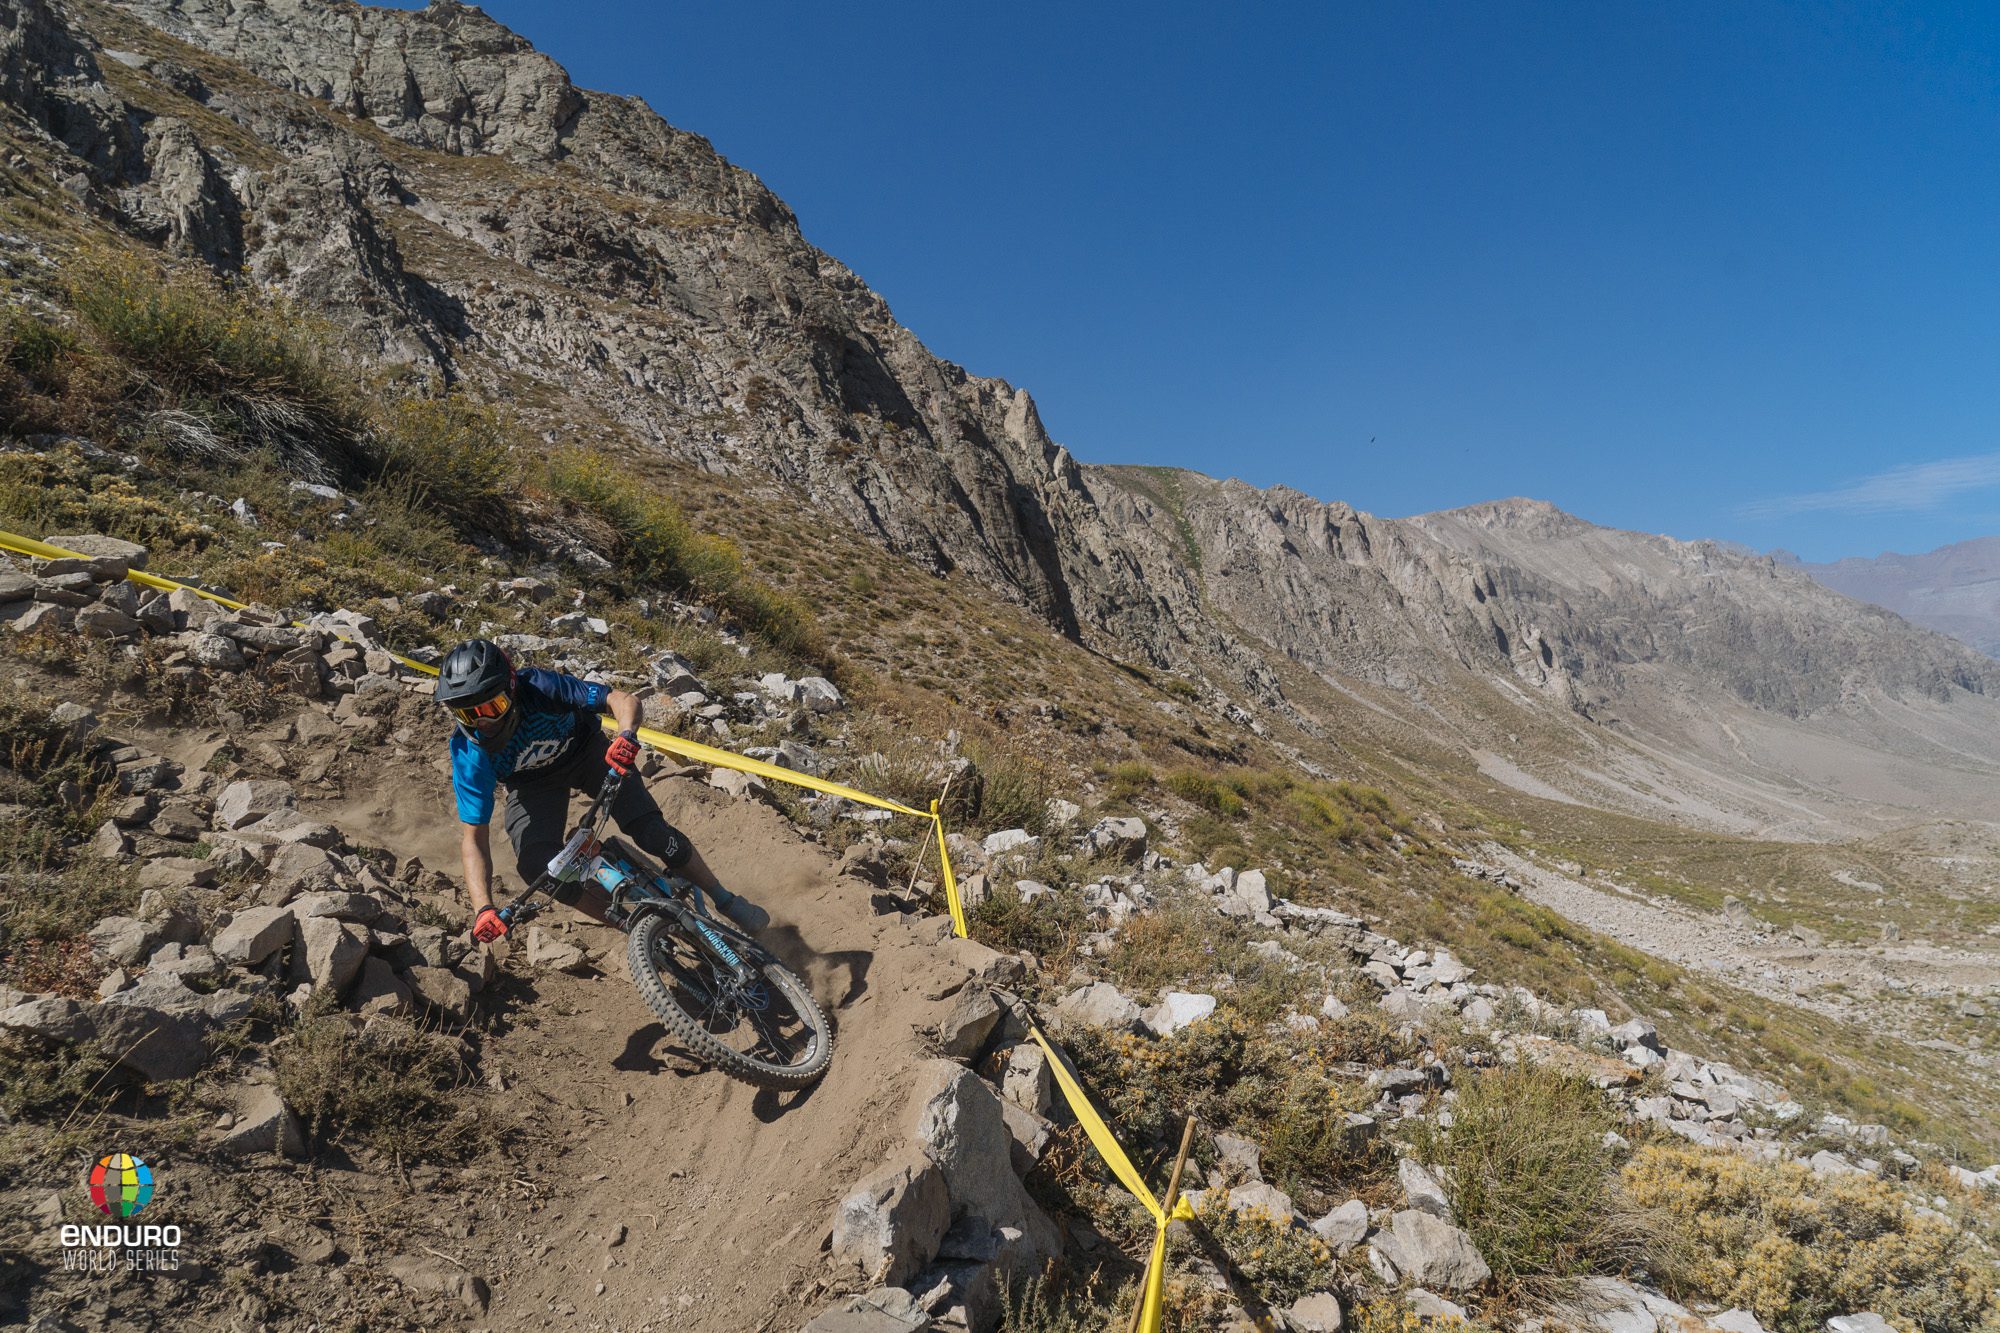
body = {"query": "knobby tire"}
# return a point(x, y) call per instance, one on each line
point(692, 1033)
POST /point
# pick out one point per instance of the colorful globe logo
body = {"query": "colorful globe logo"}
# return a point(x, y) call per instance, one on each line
point(121, 1184)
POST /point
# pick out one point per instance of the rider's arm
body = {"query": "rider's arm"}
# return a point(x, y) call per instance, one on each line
point(475, 850)
point(624, 709)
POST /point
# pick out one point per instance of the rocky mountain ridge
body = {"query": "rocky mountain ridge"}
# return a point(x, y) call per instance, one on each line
point(430, 181)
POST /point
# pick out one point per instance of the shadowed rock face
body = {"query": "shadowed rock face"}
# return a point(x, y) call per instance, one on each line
point(433, 183)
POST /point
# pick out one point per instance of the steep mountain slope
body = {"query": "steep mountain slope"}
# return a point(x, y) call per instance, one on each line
point(1648, 673)
point(435, 185)
point(1954, 590)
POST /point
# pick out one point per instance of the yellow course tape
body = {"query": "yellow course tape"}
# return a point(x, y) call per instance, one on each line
point(1152, 1297)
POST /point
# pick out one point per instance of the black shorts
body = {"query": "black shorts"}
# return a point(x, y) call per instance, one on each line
point(537, 818)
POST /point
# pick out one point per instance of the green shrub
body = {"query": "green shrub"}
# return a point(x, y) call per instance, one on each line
point(1051, 927)
point(1530, 1176)
point(35, 348)
point(1129, 778)
point(452, 457)
point(1320, 813)
point(1013, 792)
point(655, 548)
point(237, 369)
point(1207, 791)
point(1276, 1088)
point(40, 1081)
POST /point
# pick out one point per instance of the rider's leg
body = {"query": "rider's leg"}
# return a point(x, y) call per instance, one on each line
point(537, 821)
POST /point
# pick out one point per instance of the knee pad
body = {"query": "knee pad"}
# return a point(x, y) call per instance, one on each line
point(667, 842)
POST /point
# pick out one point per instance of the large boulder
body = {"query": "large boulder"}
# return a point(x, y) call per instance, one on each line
point(442, 989)
point(298, 867)
point(335, 903)
point(1124, 838)
point(124, 940)
point(971, 1020)
point(1265, 1200)
point(110, 557)
point(1421, 1189)
point(379, 990)
point(1318, 1312)
point(1345, 1227)
point(889, 1225)
point(1431, 1252)
point(263, 1124)
point(50, 1017)
point(1866, 1322)
point(961, 1129)
point(1025, 1081)
point(250, 800)
point(884, 1310)
point(1178, 1009)
point(160, 1028)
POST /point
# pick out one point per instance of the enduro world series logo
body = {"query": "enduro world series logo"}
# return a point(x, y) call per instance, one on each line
point(121, 1186)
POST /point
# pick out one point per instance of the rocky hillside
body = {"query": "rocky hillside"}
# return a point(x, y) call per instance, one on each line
point(438, 187)
point(1954, 590)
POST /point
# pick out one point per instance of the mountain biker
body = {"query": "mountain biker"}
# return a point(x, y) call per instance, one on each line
point(536, 733)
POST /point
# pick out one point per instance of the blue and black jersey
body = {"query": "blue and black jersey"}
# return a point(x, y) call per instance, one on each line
point(555, 717)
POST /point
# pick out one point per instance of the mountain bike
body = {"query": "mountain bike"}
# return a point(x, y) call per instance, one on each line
point(717, 990)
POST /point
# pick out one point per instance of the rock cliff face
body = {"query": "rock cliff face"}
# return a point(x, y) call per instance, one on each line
point(431, 182)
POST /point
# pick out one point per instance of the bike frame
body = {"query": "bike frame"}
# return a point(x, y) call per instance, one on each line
point(635, 887)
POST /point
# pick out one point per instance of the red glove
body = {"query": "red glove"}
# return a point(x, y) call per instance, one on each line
point(487, 926)
point(623, 752)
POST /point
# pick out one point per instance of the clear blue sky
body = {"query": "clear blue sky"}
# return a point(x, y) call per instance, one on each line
point(1718, 270)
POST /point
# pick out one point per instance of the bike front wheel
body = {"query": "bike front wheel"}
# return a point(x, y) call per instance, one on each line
point(768, 1031)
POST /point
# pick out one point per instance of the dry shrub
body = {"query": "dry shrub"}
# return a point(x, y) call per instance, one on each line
point(1796, 1248)
point(391, 1085)
point(1281, 1260)
point(1053, 1301)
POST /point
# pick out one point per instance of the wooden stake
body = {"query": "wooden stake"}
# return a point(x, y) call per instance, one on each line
point(924, 851)
point(1173, 1197)
point(1174, 1181)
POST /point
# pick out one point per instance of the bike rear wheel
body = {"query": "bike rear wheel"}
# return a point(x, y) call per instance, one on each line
point(768, 1032)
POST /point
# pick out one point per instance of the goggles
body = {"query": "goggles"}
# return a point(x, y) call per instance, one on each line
point(497, 706)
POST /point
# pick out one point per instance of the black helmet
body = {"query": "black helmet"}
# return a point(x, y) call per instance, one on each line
point(472, 673)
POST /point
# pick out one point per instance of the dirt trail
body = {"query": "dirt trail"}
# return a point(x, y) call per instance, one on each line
point(725, 1192)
